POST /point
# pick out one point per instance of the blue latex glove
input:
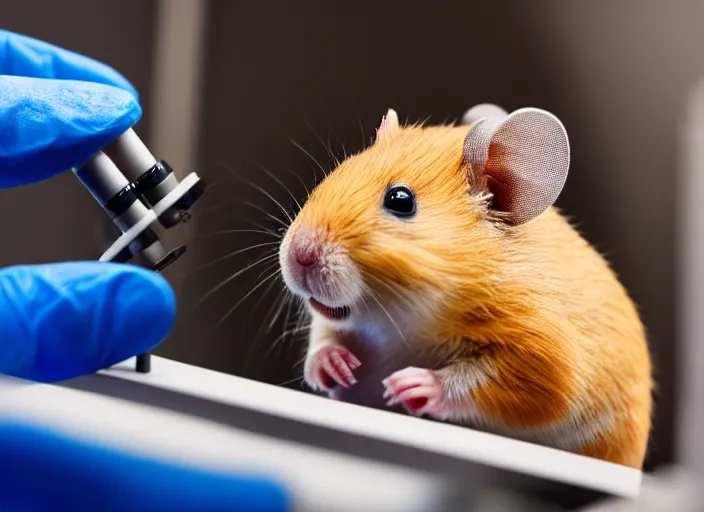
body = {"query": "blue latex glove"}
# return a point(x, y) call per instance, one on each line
point(45, 472)
point(60, 321)
point(57, 108)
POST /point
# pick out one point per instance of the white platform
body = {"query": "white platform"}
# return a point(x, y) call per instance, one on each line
point(225, 433)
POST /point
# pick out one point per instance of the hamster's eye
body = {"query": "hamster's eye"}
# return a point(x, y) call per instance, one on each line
point(400, 201)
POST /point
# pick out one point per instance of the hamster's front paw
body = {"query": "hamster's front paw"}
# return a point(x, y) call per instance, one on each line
point(418, 390)
point(330, 366)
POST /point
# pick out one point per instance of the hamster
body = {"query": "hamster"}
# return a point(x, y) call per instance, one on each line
point(442, 281)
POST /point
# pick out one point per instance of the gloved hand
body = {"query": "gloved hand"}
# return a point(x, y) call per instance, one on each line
point(60, 321)
point(57, 108)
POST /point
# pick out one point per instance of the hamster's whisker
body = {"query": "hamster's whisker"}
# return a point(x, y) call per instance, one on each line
point(237, 304)
point(395, 292)
point(276, 307)
point(300, 313)
point(273, 177)
point(390, 318)
point(267, 194)
point(301, 362)
point(311, 157)
point(232, 231)
point(302, 183)
point(290, 381)
point(234, 276)
point(268, 351)
point(229, 211)
point(268, 230)
point(327, 147)
point(277, 304)
point(283, 335)
point(361, 127)
point(290, 300)
point(334, 156)
point(273, 266)
point(262, 210)
point(284, 298)
point(230, 255)
point(267, 290)
point(366, 304)
point(257, 337)
point(278, 342)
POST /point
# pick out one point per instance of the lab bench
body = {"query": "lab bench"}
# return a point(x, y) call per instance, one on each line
point(335, 457)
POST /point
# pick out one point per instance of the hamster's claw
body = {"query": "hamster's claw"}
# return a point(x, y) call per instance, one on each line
point(330, 366)
point(417, 389)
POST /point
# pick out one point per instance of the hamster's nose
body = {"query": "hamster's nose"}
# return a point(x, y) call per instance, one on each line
point(307, 256)
point(305, 250)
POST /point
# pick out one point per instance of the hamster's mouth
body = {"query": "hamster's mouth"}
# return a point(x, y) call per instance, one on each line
point(329, 312)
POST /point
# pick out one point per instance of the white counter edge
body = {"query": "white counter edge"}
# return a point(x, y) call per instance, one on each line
point(478, 447)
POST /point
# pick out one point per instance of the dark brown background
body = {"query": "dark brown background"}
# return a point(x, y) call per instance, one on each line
point(616, 74)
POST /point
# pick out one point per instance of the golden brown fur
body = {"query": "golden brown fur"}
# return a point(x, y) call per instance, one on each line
point(535, 304)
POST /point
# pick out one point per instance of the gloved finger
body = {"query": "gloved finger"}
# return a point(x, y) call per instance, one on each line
point(44, 471)
point(25, 56)
point(50, 126)
point(64, 320)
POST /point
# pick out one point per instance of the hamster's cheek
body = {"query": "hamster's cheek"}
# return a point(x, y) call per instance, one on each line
point(287, 270)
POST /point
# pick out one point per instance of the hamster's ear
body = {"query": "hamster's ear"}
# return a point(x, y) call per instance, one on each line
point(478, 112)
point(522, 159)
point(389, 124)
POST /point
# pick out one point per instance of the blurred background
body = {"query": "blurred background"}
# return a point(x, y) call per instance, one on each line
point(231, 88)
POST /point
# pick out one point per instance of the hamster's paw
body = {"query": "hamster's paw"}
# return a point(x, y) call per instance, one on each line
point(418, 390)
point(331, 366)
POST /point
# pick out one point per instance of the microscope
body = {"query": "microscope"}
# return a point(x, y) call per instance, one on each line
point(141, 195)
